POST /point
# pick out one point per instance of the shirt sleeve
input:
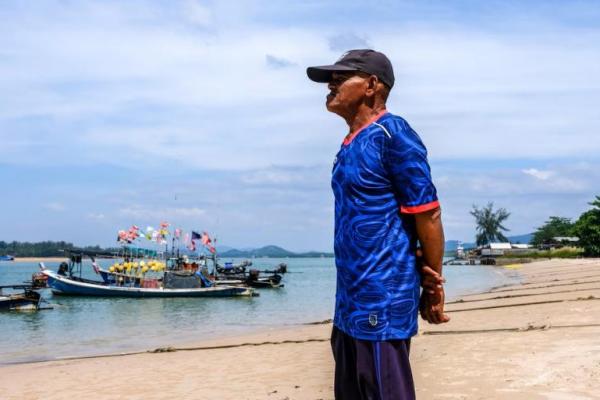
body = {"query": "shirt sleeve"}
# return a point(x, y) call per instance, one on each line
point(406, 162)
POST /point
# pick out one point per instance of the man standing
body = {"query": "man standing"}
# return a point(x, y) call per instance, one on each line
point(385, 204)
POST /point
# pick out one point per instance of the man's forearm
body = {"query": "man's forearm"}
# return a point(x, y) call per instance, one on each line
point(431, 236)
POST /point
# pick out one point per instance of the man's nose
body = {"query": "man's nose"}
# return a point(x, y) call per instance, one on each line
point(331, 86)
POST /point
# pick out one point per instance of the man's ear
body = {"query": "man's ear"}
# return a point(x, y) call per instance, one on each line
point(372, 82)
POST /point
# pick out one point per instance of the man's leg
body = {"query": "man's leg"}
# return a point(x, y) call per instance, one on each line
point(344, 353)
point(369, 370)
point(392, 370)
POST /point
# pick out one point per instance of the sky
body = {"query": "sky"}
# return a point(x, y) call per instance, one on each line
point(200, 113)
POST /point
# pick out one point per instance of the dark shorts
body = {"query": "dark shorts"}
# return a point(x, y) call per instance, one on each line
point(371, 370)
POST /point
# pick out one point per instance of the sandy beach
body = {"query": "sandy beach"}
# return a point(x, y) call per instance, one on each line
point(536, 340)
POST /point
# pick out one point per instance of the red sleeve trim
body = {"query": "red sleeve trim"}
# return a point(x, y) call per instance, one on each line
point(420, 209)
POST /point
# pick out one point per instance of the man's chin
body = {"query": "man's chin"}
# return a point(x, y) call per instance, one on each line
point(331, 107)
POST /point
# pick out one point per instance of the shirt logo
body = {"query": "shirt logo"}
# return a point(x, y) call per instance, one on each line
point(373, 319)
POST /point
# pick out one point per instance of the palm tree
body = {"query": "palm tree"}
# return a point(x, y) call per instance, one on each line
point(489, 224)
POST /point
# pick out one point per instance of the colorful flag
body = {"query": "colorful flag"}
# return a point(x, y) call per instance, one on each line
point(207, 242)
point(177, 233)
point(149, 232)
point(196, 235)
point(133, 234)
point(122, 236)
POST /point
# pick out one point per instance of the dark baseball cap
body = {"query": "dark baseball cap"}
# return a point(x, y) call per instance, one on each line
point(365, 60)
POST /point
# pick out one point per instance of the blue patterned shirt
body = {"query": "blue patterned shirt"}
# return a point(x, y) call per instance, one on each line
point(380, 177)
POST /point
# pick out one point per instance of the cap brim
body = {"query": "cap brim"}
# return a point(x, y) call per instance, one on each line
point(323, 73)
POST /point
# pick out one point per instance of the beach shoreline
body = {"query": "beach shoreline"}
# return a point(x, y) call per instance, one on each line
point(540, 333)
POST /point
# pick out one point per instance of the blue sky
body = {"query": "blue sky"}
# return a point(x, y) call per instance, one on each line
point(200, 113)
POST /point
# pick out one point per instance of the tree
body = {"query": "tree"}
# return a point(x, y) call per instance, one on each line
point(555, 226)
point(587, 228)
point(489, 224)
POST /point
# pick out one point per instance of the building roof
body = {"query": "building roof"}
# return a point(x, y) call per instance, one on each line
point(500, 246)
point(566, 238)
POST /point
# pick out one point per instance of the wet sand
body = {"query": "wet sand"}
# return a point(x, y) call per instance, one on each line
point(536, 340)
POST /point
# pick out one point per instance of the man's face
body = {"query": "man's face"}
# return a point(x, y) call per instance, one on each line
point(347, 91)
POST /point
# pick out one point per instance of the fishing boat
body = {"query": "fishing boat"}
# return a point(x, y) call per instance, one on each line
point(68, 280)
point(251, 279)
point(236, 274)
point(7, 258)
point(25, 300)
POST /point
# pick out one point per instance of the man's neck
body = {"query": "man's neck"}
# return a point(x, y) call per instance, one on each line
point(362, 116)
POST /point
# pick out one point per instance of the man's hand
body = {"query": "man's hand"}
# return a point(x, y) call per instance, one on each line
point(431, 281)
point(432, 299)
point(431, 307)
point(431, 237)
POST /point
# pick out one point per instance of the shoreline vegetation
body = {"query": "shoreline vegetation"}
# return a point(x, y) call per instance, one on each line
point(530, 340)
point(53, 252)
point(562, 252)
point(56, 249)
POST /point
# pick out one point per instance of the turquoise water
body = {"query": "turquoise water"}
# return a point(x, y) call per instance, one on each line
point(80, 326)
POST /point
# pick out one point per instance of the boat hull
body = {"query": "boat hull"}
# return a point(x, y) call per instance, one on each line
point(29, 301)
point(63, 285)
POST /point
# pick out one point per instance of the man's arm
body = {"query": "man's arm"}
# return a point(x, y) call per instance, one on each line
point(431, 236)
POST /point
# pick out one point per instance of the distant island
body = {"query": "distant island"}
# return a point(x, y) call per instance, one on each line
point(272, 251)
point(54, 249)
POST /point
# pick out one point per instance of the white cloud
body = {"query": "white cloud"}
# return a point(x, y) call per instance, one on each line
point(122, 85)
point(96, 216)
point(536, 173)
point(55, 206)
point(169, 213)
point(278, 62)
point(198, 13)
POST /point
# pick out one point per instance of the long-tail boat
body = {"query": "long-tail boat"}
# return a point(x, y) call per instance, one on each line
point(68, 280)
point(25, 300)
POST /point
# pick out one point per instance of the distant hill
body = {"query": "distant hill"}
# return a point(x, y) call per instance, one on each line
point(522, 239)
point(270, 251)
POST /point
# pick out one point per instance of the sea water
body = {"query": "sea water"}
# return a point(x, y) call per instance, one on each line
point(83, 326)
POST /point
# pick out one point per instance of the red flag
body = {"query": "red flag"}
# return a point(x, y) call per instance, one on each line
point(207, 242)
point(205, 239)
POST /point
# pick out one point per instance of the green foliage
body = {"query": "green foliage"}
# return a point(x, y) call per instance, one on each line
point(40, 249)
point(563, 252)
point(489, 224)
point(587, 228)
point(555, 226)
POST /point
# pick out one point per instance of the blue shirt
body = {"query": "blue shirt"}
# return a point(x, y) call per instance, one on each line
point(380, 177)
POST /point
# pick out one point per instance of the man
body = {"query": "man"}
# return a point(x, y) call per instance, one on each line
point(385, 203)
